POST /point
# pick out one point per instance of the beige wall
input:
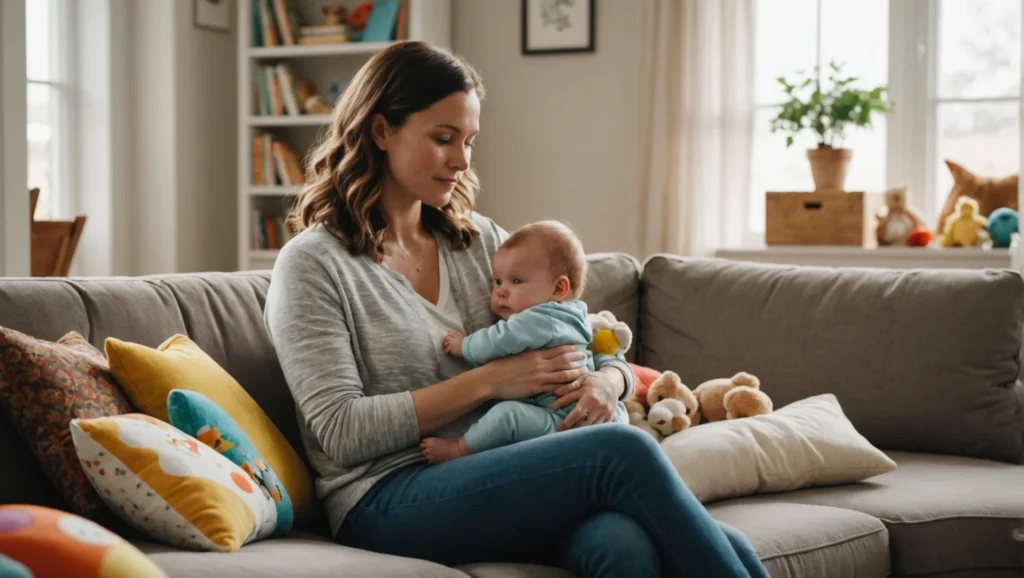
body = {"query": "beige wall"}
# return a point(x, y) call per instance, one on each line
point(559, 133)
point(185, 167)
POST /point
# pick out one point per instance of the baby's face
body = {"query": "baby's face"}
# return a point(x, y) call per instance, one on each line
point(520, 279)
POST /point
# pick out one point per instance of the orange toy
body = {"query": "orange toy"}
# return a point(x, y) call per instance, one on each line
point(358, 16)
point(643, 377)
point(920, 237)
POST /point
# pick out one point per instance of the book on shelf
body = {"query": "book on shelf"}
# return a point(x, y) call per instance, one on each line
point(280, 23)
point(275, 23)
point(274, 163)
point(270, 231)
point(278, 91)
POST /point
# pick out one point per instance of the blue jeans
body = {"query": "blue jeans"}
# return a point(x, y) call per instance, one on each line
point(599, 501)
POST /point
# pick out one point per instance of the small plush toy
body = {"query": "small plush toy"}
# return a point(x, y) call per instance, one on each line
point(611, 336)
point(897, 220)
point(965, 227)
point(990, 192)
point(921, 237)
point(673, 407)
point(334, 14)
point(1002, 224)
point(731, 398)
point(643, 378)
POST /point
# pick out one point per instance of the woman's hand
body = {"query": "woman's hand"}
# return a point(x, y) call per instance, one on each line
point(535, 371)
point(596, 395)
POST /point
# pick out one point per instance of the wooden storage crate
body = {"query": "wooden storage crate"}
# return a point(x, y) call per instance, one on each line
point(821, 218)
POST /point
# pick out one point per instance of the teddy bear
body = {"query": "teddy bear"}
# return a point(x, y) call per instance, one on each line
point(897, 220)
point(611, 336)
point(731, 398)
point(673, 407)
point(334, 14)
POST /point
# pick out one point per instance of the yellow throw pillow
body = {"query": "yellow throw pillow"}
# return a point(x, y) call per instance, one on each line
point(148, 375)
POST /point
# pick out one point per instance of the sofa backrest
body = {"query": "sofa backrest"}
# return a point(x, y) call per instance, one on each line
point(920, 360)
point(222, 313)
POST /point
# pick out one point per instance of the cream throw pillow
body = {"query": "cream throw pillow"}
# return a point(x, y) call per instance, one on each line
point(806, 443)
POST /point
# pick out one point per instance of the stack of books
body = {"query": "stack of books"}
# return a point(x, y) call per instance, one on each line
point(269, 230)
point(274, 163)
point(278, 91)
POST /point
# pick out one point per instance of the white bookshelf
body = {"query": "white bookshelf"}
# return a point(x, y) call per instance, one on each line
point(428, 20)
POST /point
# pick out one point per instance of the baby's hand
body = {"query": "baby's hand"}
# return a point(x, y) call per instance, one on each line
point(453, 343)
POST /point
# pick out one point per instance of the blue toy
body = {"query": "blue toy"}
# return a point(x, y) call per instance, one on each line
point(1002, 224)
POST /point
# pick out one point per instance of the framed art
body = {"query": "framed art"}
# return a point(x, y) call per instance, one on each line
point(557, 26)
point(212, 15)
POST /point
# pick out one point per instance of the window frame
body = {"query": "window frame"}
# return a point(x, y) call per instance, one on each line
point(911, 129)
point(62, 40)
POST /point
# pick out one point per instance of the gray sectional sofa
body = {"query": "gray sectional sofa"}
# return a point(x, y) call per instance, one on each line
point(924, 363)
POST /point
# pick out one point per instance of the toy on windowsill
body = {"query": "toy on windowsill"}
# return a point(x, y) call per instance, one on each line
point(965, 227)
point(1002, 224)
point(920, 237)
point(991, 193)
point(897, 220)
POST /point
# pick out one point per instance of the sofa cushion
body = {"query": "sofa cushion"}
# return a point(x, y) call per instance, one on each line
point(944, 513)
point(797, 540)
point(298, 554)
point(920, 360)
point(807, 443)
point(43, 386)
point(613, 283)
point(221, 312)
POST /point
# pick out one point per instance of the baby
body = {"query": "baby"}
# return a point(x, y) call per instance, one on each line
point(538, 276)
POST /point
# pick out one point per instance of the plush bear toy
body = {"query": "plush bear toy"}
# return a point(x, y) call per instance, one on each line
point(672, 407)
point(731, 398)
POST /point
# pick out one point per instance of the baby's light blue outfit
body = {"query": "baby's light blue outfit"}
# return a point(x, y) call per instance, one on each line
point(541, 326)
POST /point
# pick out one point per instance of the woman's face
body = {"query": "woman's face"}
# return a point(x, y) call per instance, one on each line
point(428, 154)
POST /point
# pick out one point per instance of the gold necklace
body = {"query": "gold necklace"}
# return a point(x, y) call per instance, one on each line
point(419, 264)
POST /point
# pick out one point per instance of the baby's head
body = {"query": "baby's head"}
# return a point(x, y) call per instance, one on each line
point(540, 262)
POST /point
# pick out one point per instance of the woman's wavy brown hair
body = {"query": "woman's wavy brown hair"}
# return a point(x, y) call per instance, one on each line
point(345, 170)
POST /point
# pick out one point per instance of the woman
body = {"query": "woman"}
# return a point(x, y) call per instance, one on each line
point(389, 258)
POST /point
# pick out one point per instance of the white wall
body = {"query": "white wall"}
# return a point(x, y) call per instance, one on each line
point(207, 146)
point(185, 183)
point(560, 133)
point(14, 217)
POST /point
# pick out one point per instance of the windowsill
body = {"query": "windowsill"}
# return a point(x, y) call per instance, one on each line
point(886, 257)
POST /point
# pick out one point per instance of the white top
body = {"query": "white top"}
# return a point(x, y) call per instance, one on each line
point(444, 316)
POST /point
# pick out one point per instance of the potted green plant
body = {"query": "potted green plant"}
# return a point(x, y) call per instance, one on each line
point(828, 112)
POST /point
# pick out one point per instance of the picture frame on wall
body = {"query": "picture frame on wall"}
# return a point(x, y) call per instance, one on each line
point(212, 15)
point(558, 26)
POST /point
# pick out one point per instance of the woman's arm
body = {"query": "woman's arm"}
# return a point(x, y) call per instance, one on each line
point(305, 316)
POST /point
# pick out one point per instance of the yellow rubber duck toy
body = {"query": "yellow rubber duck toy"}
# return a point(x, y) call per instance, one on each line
point(965, 227)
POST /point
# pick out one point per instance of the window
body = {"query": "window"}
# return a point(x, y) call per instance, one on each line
point(977, 110)
point(953, 70)
point(48, 105)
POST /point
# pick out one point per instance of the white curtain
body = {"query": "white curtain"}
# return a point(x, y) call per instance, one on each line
point(699, 105)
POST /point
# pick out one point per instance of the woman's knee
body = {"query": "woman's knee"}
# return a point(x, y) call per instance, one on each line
point(611, 544)
point(625, 442)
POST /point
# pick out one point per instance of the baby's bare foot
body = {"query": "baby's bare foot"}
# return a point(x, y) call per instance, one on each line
point(438, 450)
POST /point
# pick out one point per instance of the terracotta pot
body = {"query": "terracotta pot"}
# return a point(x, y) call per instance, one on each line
point(828, 167)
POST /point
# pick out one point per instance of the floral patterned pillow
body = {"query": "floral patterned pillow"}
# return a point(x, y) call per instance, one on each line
point(43, 386)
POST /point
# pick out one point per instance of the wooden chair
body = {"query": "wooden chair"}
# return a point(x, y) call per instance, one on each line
point(53, 243)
